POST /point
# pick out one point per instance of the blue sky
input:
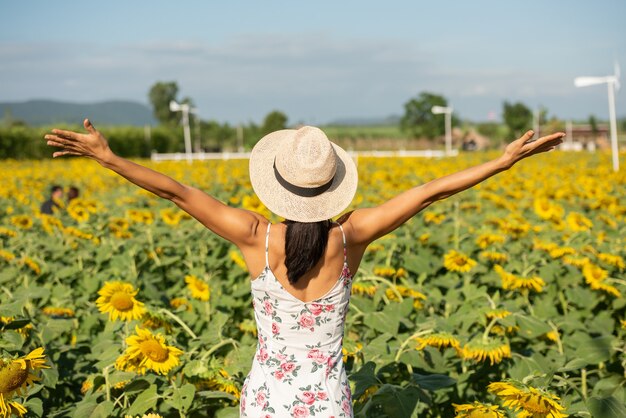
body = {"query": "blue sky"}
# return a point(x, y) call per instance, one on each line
point(316, 61)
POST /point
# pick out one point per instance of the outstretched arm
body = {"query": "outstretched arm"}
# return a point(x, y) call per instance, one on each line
point(235, 225)
point(368, 224)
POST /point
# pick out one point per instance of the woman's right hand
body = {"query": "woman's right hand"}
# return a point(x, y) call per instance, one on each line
point(523, 147)
point(92, 144)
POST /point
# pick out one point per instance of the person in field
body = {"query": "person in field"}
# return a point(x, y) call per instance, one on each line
point(56, 193)
point(302, 268)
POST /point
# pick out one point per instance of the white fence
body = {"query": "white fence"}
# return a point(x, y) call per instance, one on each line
point(181, 156)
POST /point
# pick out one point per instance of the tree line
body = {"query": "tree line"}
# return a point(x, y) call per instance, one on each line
point(17, 140)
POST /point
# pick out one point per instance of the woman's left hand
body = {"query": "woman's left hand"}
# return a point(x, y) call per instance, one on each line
point(524, 147)
point(92, 144)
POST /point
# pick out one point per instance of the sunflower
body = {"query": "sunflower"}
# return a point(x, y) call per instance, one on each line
point(456, 261)
point(494, 350)
point(497, 313)
point(78, 213)
point(31, 264)
point(363, 289)
point(438, 340)
point(613, 260)
point(485, 240)
point(199, 289)
point(118, 300)
point(12, 408)
point(512, 282)
point(543, 208)
point(388, 272)
point(154, 320)
point(118, 224)
point(170, 216)
point(579, 262)
point(178, 302)
point(578, 222)
point(594, 273)
point(22, 221)
point(435, 218)
point(60, 312)
point(529, 401)
point(220, 381)
point(237, 259)
point(16, 376)
point(140, 216)
point(494, 256)
point(147, 351)
point(7, 232)
point(478, 410)
point(7, 256)
point(249, 326)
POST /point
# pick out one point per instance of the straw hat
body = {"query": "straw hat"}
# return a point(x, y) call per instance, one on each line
point(302, 176)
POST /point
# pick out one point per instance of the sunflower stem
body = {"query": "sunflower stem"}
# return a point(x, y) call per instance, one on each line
point(486, 333)
point(218, 346)
point(180, 322)
point(558, 337)
point(408, 340)
point(583, 382)
point(107, 384)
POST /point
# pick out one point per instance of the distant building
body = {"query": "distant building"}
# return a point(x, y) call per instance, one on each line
point(589, 138)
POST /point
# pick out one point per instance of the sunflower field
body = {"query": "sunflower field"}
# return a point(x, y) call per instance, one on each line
point(506, 300)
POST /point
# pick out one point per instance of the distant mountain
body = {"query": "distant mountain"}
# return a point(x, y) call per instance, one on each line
point(389, 120)
point(47, 112)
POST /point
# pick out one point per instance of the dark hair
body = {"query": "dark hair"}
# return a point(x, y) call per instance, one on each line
point(305, 243)
point(54, 188)
point(73, 193)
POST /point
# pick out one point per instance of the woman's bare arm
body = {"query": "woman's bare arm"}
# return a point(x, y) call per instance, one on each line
point(235, 225)
point(368, 224)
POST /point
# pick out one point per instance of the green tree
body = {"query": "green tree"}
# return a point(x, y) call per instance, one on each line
point(274, 121)
point(419, 120)
point(161, 93)
point(517, 117)
point(593, 123)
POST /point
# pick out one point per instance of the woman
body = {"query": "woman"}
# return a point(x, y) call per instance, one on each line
point(301, 268)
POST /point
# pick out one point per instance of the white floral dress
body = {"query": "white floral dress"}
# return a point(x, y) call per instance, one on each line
point(298, 368)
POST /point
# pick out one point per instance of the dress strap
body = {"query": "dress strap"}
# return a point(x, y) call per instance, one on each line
point(267, 240)
point(345, 250)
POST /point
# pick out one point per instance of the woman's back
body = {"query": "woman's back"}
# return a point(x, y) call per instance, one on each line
point(298, 367)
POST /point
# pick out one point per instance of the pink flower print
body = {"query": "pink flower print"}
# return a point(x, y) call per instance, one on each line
point(316, 309)
point(267, 305)
point(275, 329)
point(288, 367)
point(300, 411)
point(306, 321)
point(308, 397)
point(260, 398)
point(279, 374)
point(281, 356)
point(322, 396)
point(263, 355)
point(345, 405)
point(317, 356)
point(330, 307)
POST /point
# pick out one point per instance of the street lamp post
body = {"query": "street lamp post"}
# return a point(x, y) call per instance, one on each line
point(447, 111)
point(612, 82)
point(186, 109)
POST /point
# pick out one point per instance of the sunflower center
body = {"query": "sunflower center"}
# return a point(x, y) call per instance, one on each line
point(460, 261)
point(12, 377)
point(535, 403)
point(122, 301)
point(153, 350)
